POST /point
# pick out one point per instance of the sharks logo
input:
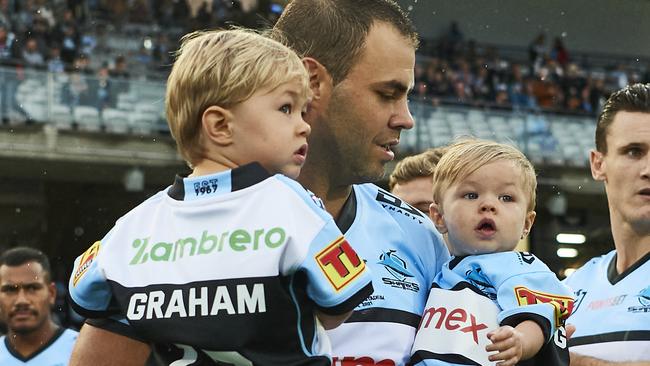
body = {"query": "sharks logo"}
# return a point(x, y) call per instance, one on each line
point(476, 277)
point(644, 296)
point(396, 266)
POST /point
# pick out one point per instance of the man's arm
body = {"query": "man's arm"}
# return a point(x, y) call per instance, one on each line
point(99, 347)
point(579, 360)
point(332, 321)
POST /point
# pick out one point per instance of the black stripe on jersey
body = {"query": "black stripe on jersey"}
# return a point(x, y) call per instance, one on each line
point(630, 335)
point(350, 303)
point(420, 356)
point(385, 315)
point(241, 177)
point(612, 273)
point(116, 327)
point(90, 313)
point(460, 286)
point(228, 314)
point(515, 319)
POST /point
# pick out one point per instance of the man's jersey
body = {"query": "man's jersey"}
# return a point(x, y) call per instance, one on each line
point(56, 352)
point(404, 252)
point(473, 295)
point(226, 268)
point(612, 311)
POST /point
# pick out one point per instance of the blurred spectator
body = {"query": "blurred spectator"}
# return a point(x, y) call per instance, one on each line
point(101, 87)
point(120, 75)
point(537, 51)
point(559, 53)
point(451, 41)
point(75, 92)
point(54, 62)
point(31, 55)
point(619, 76)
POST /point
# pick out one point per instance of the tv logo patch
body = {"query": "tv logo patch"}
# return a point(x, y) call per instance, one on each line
point(340, 263)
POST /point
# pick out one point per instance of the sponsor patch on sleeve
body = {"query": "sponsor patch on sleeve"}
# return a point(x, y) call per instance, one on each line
point(85, 261)
point(340, 263)
point(563, 304)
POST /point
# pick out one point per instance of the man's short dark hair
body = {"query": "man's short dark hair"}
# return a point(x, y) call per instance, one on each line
point(20, 255)
point(632, 98)
point(334, 31)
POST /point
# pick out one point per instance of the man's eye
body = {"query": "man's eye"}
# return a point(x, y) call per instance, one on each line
point(286, 109)
point(634, 152)
point(471, 195)
point(9, 289)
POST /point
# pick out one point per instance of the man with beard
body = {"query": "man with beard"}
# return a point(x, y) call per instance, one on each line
point(27, 294)
point(360, 56)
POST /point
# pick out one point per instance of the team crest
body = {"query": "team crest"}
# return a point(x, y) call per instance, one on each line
point(397, 268)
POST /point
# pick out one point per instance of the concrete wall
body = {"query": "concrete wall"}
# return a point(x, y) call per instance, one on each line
point(620, 27)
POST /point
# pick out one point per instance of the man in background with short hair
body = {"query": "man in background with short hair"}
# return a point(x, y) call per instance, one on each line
point(27, 294)
point(412, 178)
point(612, 307)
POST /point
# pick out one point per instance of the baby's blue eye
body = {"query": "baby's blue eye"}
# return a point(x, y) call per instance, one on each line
point(471, 196)
point(286, 109)
point(507, 198)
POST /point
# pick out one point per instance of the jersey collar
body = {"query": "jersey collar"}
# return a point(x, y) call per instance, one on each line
point(59, 331)
point(193, 188)
point(348, 213)
point(612, 273)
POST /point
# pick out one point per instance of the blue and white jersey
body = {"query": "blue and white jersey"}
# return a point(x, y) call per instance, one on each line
point(229, 267)
point(404, 252)
point(474, 295)
point(612, 311)
point(54, 353)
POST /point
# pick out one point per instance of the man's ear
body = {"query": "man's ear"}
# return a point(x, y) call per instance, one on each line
point(51, 289)
point(217, 125)
point(321, 85)
point(435, 213)
point(597, 164)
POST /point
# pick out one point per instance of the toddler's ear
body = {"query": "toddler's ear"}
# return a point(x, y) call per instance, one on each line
point(217, 125)
point(528, 223)
point(435, 213)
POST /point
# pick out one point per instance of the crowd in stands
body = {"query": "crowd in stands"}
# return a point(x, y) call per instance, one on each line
point(454, 70)
point(69, 38)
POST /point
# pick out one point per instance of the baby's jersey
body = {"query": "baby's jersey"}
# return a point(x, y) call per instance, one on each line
point(54, 353)
point(473, 295)
point(229, 268)
point(612, 311)
point(404, 252)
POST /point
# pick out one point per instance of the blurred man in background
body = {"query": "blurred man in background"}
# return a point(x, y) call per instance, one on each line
point(412, 178)
point(27, 294)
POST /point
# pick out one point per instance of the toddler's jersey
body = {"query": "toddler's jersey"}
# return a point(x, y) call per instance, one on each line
point(404, 252)
point(612, 311)
point(473, 295)
point(225, 268)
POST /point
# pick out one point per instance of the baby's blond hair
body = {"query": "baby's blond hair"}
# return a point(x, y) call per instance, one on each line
point(223, 68)
point(465, 156)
